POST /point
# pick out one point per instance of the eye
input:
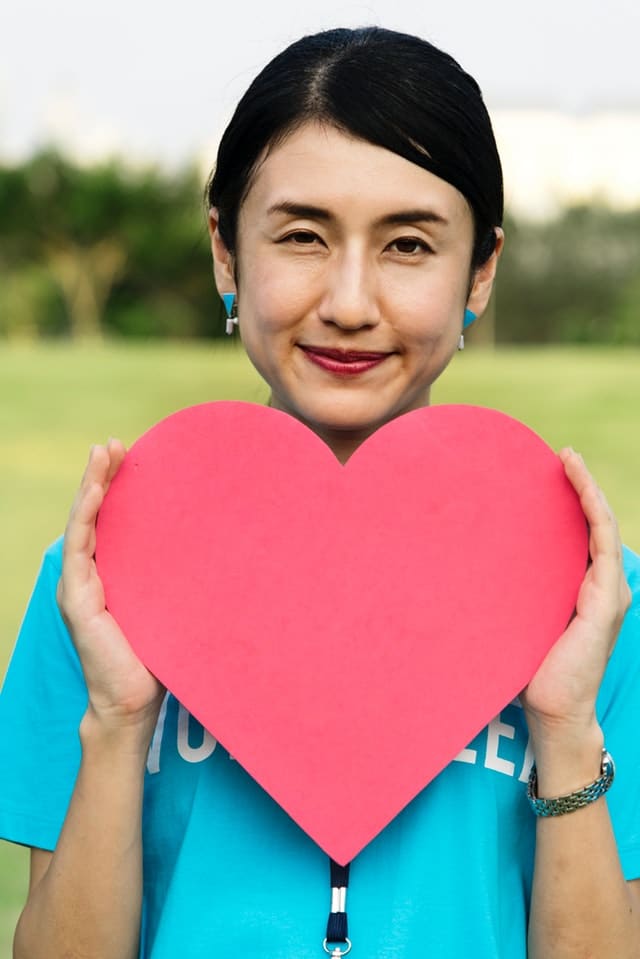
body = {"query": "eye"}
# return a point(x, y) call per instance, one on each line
point(410, 246)
point(301, 238)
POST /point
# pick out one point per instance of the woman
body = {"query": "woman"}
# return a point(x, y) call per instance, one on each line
point(355, 215)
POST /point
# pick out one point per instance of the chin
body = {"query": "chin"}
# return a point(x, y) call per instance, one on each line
point(347, 424)
point(344, 414)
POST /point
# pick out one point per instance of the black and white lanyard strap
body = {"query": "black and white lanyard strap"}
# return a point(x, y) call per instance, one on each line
point(336, 942)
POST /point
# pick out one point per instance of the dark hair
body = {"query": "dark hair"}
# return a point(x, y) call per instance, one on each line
point(390, 89)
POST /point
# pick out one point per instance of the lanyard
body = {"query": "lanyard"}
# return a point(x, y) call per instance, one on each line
point(337, 921)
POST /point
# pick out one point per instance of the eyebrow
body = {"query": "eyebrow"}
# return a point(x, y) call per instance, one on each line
point(311, 212)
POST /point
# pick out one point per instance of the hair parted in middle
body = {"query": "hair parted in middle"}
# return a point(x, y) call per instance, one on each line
point(390, 89)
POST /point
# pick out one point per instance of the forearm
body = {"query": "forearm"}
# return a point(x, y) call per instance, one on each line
point(88, 903)
point(581, 905)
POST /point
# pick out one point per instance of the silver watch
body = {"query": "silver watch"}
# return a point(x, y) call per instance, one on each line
point(575, 800)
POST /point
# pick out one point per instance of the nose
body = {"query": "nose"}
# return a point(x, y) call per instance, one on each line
point(350, 298)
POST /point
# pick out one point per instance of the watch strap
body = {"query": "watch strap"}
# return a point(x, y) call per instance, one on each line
point(575, 800)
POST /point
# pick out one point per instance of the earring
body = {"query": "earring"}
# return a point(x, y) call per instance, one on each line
point(469, 317)
point(231, 306)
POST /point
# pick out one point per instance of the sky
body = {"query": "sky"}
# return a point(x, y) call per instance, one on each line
point(157, 81)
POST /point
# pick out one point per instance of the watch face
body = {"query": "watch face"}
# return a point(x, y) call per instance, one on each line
point(608, 766)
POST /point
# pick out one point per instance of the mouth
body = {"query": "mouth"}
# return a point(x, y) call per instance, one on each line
point(344, 362)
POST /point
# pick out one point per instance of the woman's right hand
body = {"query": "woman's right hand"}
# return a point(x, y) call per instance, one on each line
point(122, 692)
point(86, 896)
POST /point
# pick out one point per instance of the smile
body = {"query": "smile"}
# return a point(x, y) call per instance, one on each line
point(344, 362)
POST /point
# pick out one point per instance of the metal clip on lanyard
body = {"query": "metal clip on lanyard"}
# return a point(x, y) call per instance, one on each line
point(337, 921)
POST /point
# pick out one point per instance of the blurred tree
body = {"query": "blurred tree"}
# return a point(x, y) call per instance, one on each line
point(28, 300)
point(86, 275)
point(569, 280)
point(117, 243)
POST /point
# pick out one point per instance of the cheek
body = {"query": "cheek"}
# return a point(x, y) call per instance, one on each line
point(272, 300)
point(431, 322)
point(431, 309)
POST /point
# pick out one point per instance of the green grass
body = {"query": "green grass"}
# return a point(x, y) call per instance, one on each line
point(56, 400)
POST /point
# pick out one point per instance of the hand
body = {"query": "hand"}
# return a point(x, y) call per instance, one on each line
point(122, 692)
point(560, 699)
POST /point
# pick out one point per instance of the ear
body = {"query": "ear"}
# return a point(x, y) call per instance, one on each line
point(484, 276)
point(223, 261)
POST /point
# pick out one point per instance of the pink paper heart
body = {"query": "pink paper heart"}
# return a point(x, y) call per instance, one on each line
point(364, 620)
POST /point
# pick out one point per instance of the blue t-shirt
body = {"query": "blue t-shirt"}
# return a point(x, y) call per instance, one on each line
point(226, 870)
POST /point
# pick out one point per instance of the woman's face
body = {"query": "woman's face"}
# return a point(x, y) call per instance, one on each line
point(353, 270)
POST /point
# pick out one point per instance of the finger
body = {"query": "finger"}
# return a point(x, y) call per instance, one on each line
point(117, 453)
point(606, 572)
point(104, 462)
point(604, 534)
point(79, 537)
point(95, 473)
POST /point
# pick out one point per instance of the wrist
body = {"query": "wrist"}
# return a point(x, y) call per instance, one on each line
point(117, 734)
point(567, 758)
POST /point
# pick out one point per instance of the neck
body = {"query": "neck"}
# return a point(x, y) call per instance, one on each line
point(343, 443)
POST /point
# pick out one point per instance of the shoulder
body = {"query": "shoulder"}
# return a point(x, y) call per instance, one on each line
point(43, 603)
point(44, 646)
point(617, 709)
point(622, 676)
point(53, 555)
point(42, 700)
point(630, 631)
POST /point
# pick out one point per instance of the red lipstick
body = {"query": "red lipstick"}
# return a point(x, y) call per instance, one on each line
point(344, 362)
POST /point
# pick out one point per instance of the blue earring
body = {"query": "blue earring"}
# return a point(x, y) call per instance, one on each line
point(469, 317)
point(231, 306)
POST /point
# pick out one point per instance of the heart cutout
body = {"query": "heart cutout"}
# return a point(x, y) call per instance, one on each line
point(358, 623)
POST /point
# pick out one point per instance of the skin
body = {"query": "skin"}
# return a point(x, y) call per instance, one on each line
point(351, 277)
point(346, 277)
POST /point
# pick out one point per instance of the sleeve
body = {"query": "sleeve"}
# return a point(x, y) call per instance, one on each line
point(42, 701)
point(618, 713)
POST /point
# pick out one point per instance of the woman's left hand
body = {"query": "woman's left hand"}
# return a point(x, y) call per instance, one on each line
point(560, 699)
